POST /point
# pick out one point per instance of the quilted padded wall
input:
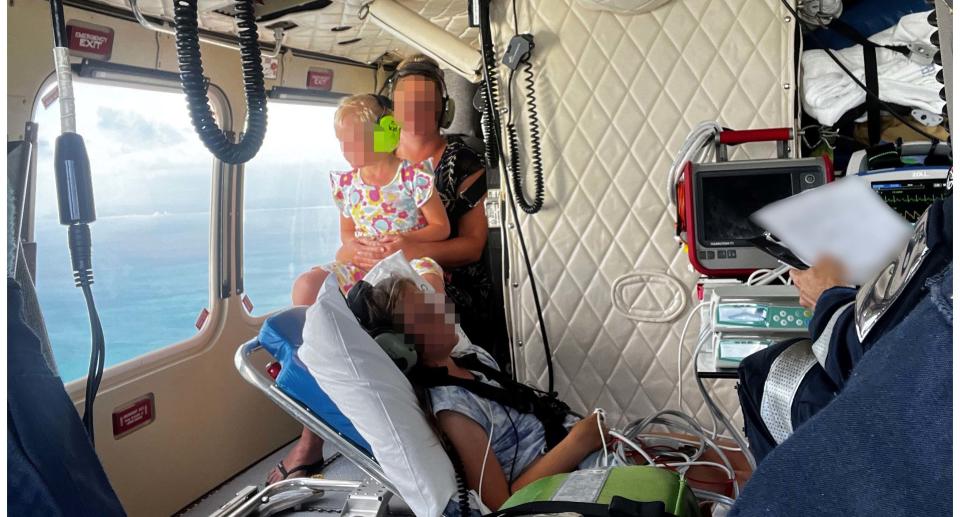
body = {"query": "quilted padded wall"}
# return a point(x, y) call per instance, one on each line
point(617, 95)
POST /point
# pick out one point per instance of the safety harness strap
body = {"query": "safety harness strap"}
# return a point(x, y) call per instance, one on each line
point(873, 86)
point(548, 409)
point(855, 36)
point(618, 507)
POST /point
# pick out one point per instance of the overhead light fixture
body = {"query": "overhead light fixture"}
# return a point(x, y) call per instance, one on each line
point(126, 74)
point(421, 34)
point(302, 95)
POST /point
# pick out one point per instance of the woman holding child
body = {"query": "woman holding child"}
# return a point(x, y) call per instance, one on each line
point(426, 200)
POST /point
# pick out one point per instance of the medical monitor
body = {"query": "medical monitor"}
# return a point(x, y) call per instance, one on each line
point(722, 196)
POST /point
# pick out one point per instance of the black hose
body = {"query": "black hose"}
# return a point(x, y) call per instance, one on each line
point(536, 154)
point(492, 125)
point(59, 26)
point(195, 84)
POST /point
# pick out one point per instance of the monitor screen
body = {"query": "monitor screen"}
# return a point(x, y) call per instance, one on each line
point(729, 200)
point(910, 198)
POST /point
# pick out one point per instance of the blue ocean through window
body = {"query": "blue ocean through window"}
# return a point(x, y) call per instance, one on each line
point(152, 181)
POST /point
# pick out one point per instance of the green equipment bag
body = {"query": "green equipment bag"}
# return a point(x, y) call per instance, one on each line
point(637, 491)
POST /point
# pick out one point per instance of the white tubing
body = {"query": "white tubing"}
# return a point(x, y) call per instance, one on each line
point(426, 37)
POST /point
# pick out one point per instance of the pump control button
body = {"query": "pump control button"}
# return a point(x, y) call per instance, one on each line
point(809, 179)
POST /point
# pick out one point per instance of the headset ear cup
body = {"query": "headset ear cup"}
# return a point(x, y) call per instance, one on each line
point(448, 113)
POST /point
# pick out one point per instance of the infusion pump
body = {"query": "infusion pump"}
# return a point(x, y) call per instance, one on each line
point(739, 320)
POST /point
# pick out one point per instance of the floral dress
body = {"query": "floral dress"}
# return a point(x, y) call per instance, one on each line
point(382, 210)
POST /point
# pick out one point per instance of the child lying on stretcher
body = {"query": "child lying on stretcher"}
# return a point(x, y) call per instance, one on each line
point(464, 421)
point(381, 196)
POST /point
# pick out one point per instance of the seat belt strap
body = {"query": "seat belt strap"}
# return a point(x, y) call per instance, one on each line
point(873, 86)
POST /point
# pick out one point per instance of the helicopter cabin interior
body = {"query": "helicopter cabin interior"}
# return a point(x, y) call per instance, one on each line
point(624, 146)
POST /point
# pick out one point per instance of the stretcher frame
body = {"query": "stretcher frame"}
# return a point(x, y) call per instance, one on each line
point(383, 488)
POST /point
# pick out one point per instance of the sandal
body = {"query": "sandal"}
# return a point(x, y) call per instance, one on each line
point(309, 469)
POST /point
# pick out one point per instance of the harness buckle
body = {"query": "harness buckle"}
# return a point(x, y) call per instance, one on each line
point(493, 209)
point(921, 53)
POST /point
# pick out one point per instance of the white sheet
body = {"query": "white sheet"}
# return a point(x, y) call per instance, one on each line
point(845, 220)
point(828, 92)
point(365, 384)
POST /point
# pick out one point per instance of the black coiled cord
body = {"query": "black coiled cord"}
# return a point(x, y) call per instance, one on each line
point(489, 149)
point(536, 155)
point(195, 84)
point(463, 493)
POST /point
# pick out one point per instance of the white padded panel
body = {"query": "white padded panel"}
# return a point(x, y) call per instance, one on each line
point(313, 32)
point(617, 95)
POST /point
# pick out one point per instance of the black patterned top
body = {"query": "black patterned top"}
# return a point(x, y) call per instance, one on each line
point(470, 286)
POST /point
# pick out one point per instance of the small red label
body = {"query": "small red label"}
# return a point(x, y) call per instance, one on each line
point(50, 97)
point(133, 416)
point(320, 79)
point(86, 41)
point(202, 318)
point(247, 303)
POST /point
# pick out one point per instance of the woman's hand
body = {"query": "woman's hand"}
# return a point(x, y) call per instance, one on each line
point(826, 273)
point(399, 242)
point(585, 434)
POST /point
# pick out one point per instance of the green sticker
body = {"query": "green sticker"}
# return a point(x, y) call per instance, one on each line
point(386, 136)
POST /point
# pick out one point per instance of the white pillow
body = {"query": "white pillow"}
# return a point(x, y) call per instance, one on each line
point(372, 392)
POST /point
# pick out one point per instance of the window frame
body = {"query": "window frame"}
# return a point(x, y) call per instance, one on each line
point(326, 101)
point(205, 338)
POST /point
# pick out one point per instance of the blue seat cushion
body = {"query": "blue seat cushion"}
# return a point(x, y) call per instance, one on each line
point(282, 335)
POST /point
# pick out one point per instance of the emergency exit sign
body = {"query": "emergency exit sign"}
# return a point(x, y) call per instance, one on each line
point(320, 79)
point(89, 40)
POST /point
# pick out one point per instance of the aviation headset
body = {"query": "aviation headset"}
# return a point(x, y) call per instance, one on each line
point(400, 351)
point(386, 133)
point(432, 72)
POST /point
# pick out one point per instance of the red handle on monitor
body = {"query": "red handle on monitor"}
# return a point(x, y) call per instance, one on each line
point(732, 137)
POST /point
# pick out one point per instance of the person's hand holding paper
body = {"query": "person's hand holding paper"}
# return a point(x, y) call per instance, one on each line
point(844, 220)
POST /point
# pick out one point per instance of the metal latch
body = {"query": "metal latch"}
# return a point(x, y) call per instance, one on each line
point(926, 118)
point(922, 53)
point(493, 208)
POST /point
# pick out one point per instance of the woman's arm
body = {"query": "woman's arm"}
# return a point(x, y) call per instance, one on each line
point(348, 240)
point(465, 435)
point(465, 248)
point(438, 225)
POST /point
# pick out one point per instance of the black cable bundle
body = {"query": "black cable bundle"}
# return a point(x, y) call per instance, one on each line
point(536, 154)
point(493, 144)
point(195, 84)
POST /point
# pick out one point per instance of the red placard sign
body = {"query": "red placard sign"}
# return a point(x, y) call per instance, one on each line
point(90, 41)
point(320, 79)
point(130, 417)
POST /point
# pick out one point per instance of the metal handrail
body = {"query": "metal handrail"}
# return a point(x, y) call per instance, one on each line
point(264, 383)
point(278, 34)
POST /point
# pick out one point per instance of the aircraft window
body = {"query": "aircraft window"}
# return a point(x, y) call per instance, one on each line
point(290, 223)
point(151, 180)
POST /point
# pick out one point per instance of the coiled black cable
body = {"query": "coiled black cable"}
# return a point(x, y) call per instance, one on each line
point(463, 493)
point(195, 84)
point(536, 154)
point(493, 144)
